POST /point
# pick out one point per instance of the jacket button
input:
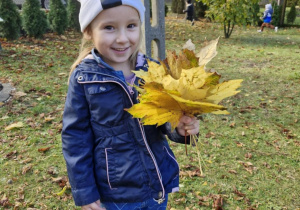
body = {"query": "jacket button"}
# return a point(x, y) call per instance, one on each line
point(102, 88)
point(80, 78)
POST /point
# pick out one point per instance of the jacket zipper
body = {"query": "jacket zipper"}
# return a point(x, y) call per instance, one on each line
point(160, 200)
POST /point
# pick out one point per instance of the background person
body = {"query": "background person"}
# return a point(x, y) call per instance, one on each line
point(267, 19)
point(190, 11)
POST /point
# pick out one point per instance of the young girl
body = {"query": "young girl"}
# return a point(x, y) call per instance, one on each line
point(113, 161)
point(267, 18)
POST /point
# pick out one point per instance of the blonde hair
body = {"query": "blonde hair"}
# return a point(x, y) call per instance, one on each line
point(87, 46)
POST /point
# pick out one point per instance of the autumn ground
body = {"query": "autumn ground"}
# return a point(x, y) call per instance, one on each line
point(250, 159)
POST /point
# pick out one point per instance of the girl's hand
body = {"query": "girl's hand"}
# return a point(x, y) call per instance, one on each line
point(188, 125)
point(93, 206)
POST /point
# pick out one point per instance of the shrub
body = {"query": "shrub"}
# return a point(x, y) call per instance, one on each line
point(34, 19)
point(57, 17)
point(276, 14)
point(73, 13)
point(256, 15)
point(11, 26)
point(291, 17)
point(200, 9)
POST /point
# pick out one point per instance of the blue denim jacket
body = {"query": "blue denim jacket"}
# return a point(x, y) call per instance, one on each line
point(109, 154)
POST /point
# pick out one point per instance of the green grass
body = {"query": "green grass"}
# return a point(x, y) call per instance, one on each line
point(250, 158)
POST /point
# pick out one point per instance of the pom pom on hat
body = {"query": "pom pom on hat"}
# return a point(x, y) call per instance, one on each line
point(89, 9)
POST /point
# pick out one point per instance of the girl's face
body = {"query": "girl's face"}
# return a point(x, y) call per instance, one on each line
point(116, 34)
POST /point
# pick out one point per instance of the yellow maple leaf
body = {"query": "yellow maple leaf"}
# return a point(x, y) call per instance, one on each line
point(173, 64)
point(158, 106)
point(208, 52)
point(181, 86)
point(14, 125)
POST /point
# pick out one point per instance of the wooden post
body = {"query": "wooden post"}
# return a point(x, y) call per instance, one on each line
point(154, 33)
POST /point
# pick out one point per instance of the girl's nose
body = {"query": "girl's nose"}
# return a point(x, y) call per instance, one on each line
point(122, 36)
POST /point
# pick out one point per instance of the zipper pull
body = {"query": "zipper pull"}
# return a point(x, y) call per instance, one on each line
point(159, 201)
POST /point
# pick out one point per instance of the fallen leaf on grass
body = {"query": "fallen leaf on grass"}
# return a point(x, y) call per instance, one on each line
point(62, 181)
point(59, 179)
point(10, 154)
point(210, 135)
point(201, 203)
point(297, 143)
point(14, 125)
point(232, 125)
point(21, 194)
point(52, 170)
point(19, 94)
point(232, 171)
point(239, 144)
point(62, 191)
point(240, 194)
point(4, 201)
point(27, 160)
point(218, 202)
point(26, 168)
point(190, 174)
point(49, 119)
point(248, 166)
point(248, 155)
point(44, 149)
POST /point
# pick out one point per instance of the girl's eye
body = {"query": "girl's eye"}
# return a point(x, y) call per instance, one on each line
point(109, 27)
point(131, 26)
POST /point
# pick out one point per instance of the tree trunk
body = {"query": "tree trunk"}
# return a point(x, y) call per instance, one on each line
point(281, 22)
point(228, 28)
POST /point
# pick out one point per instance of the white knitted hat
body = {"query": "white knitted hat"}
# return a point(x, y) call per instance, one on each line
point(89, 9)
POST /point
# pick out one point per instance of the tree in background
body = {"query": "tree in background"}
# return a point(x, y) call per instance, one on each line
point(200, 9)
point(73, 12)
point(230, 12)
point(290, 3)
point(34, 19)
point(291, 17)
point(178, 6)
point(11, 26)
point(166, 10)
point(277, 12)
point(58, 17)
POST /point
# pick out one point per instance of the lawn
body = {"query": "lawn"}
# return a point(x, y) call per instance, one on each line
point(250, 158)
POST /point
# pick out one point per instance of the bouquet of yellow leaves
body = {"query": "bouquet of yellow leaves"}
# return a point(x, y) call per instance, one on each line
point(181, 86)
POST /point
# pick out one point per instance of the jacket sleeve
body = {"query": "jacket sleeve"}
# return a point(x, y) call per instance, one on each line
point(78, 144)
point(173, 135)
point(265, 14)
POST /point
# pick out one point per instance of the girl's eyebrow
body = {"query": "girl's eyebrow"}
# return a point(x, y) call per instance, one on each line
point(112, 21)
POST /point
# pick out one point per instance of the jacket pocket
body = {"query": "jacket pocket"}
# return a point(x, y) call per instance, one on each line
point(123, 168)
point(110, 166)
point(169, 168)
point(172, 158)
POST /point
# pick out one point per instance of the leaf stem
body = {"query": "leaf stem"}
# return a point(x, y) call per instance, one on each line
point(185, 142)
